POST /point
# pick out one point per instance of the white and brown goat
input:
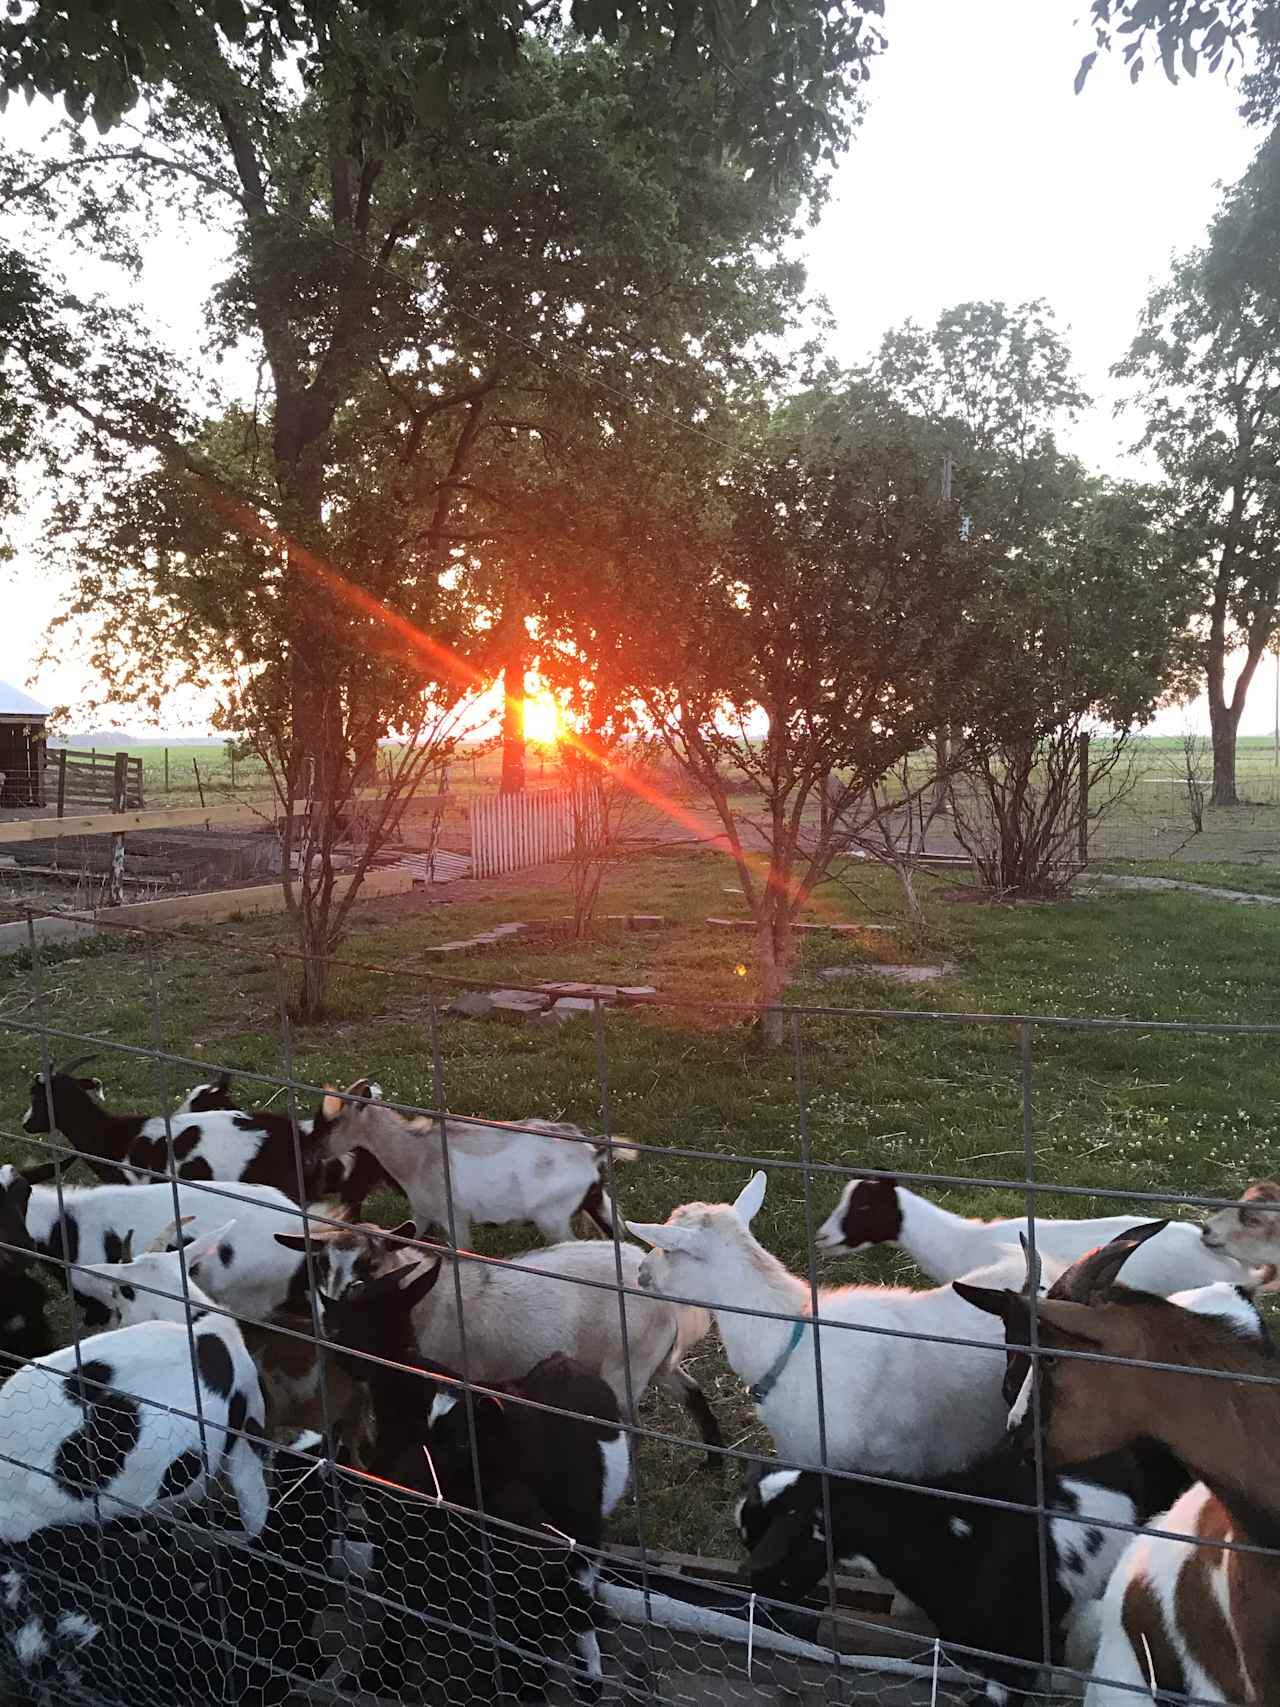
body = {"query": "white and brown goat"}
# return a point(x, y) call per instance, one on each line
point(1198, 1617)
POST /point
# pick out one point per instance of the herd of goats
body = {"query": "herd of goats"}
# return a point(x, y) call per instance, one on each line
point(272, 1408)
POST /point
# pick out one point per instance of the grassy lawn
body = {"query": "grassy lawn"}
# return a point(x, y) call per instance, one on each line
point(1133, 1110)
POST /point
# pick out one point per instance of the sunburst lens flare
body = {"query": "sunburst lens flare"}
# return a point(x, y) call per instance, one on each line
point(542, 720)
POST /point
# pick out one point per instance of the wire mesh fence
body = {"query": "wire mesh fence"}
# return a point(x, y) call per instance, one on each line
point(1165, 818)
point(275, 1445)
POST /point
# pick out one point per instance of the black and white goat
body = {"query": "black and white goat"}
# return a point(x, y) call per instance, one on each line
point(946, 1246)
point(24, 1326)
point(219, 1144)
point(534, 1467)
point(349, 1176)
point(973, 1569)
point(146, 1415)
point(541, 1171)
point(162, 1613)
point(249, 1272)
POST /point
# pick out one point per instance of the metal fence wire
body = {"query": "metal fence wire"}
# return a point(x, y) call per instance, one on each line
point(253, 1491)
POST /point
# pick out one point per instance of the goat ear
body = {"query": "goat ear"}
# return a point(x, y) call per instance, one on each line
point(205, 1244)
point(126, 1245)
point(748, 1201)
point(420, 1280)
point(1091, 1275)
point(298, 1241)
point(331, 1105)
point(1011, 1307)
point(406, 1230)
point(662, 1235)
point(37, 1174)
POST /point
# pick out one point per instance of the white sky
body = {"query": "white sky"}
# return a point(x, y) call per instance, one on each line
point(978, 173)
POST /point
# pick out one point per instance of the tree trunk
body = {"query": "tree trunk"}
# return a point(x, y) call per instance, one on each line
point(515, 663)
point(313, 989)
point(1224, 722)
point(773, 973)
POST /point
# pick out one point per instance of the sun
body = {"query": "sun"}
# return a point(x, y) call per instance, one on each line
point(541, 720)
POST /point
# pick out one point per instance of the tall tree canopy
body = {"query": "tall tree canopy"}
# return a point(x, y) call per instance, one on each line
point(1206, 372)
point(455, 308)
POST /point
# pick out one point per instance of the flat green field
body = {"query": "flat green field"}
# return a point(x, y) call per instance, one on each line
point(1134, 1109)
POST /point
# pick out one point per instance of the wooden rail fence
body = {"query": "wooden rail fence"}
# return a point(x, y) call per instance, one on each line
point(105, 782)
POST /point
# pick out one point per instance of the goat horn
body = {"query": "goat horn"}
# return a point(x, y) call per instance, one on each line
point(1034, 1267)
point(1090, 1275)
point(80, 1061)
point(161, 1240)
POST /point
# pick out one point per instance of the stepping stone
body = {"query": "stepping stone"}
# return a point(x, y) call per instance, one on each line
point(899, 974)
point(733, 924)
point(645, 921)
point(632, 995)
point(451, 947)
point(566, 1009)
point(516, 1004)
point(508, 930)
point(471, 1004)
point(569, 989)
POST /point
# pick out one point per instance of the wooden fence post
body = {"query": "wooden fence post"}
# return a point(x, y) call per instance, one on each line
point(120, 796)
point(166, 770)
point(62, 781)
point(1083, 826)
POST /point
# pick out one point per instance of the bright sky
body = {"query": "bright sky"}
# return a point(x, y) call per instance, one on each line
point(978, 173)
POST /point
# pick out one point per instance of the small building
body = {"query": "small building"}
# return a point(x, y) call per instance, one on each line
point(23, 730)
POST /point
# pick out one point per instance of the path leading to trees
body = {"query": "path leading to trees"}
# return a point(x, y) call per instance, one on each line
point(1113, 880)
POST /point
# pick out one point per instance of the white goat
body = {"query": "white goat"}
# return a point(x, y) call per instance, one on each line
point(546, 1172)
point(947, 1246)
point(1250, 1231)
point(891, 1402)
point(560, 1299)
point(146, 1415)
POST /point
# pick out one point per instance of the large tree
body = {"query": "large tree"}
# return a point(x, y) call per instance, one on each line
point(793, 631)
point(1206, 367)
point(443, 304)
point(1085, 599)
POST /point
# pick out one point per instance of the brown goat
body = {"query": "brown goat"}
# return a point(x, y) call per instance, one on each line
point(1189, 1617)
point(290, 1374)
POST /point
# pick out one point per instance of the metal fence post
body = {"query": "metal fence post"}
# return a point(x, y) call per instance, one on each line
point(1083, 808)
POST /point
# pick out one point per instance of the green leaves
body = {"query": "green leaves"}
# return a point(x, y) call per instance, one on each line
point(1221, 33)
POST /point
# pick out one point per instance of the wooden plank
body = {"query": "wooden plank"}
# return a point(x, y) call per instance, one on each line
point(219, 904)
point(243, 813)
point(108, 823)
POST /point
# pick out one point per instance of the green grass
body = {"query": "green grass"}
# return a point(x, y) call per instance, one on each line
point(1113, 1110)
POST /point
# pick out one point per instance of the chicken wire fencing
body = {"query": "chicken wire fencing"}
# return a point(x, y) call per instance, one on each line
point(257, 1446)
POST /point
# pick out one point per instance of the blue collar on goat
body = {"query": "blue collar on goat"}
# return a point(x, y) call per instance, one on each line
point(769, 1380)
